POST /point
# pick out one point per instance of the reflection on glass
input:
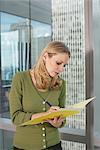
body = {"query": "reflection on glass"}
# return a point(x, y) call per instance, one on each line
point(15, 44)
point(9, 53)
point(11, 28)
point(40, 36)
point(21, 41)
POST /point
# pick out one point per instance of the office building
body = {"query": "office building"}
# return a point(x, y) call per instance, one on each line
point(68, 25)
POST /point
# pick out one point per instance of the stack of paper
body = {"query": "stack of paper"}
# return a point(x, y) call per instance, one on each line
point(62, 112)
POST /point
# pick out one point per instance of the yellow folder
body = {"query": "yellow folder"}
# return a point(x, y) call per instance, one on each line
point(62, 112)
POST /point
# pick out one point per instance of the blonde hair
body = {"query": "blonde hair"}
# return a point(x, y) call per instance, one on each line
point(43, 80)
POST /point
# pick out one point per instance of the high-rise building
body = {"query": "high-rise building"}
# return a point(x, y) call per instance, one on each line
point(68, 25)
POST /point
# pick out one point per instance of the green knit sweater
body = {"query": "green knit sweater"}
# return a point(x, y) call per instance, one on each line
point(24, 101)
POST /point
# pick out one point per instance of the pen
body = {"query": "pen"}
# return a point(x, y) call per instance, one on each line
point(48, 103)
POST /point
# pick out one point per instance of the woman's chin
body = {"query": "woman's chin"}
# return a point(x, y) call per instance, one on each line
point(53, 75)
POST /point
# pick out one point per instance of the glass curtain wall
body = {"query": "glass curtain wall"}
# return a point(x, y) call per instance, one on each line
point(22, 36)
point(21, 43)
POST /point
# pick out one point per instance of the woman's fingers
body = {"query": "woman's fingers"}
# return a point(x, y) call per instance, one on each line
point(53, 108)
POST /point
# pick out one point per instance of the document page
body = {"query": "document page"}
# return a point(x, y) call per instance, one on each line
point(62, 112)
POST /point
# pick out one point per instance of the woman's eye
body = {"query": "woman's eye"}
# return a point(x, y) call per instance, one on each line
point(65, 65)
point(58, 63)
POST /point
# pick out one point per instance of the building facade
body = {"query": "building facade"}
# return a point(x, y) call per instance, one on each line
point(68, 25)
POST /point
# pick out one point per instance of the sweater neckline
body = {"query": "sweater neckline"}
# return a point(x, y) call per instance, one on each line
point(33, 86)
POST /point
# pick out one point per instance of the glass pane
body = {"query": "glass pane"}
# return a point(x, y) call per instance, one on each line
point(13, 33)
point(67, 145)
point(16, 39)
point(6, 140)
point(96, 44)
point(41, 35)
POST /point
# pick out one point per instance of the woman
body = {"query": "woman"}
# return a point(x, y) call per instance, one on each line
point(32, 94)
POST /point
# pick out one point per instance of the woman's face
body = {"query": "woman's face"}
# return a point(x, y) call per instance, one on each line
point(56, 63)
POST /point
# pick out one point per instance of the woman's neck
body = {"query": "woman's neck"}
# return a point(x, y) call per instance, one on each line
point(34, 81)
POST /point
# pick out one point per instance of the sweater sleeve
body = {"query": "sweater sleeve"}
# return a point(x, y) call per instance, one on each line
point(62, 96)
point(18, 116)
point(62, 99)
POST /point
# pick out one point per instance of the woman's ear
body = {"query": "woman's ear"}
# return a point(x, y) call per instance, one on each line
point(45, 56)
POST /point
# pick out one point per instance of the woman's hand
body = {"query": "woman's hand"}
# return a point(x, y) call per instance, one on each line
point(56, 121)
point(37, 115)
point(52, 109)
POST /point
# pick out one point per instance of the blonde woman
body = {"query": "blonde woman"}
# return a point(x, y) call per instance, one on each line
point(36, 92)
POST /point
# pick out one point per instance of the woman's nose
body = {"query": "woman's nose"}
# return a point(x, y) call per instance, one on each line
point(61, 68)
